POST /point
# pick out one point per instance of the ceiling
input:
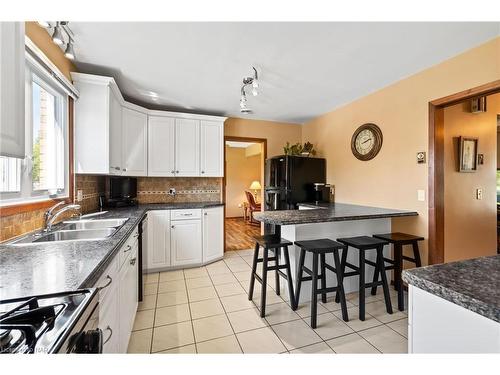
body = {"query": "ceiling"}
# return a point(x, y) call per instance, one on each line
point(239, 144)
point(306, 69)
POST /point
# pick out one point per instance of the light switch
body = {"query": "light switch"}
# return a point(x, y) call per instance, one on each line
point(421, 195)
point(479, 194)
point(79, 195)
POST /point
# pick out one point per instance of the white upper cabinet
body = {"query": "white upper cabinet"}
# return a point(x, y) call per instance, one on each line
point(213, 233)
point(212, 149)
point(12, 89)
point(135, 143)
point(115, 135)
point(187, 147)
point(98, 125)
point(161, 146)
point(119, 138)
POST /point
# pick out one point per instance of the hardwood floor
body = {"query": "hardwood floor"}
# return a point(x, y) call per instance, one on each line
point(239, 234)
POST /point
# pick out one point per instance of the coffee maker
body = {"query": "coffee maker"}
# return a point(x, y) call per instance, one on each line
point(322, 192)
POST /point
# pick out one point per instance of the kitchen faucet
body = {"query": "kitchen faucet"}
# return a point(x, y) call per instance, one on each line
point(50, 216)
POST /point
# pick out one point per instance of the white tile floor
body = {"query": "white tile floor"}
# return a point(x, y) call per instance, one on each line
point(206, 310)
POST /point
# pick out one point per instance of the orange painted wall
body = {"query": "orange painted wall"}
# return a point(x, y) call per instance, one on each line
point(401, 111)
point(41, 38)
point(470, 224)
point(276, 133)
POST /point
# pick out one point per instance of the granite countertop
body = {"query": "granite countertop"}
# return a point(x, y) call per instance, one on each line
point(54, 267)
point(473, 284)
point(327, 212)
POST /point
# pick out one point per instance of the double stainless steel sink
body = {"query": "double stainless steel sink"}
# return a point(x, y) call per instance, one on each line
point(77, 230)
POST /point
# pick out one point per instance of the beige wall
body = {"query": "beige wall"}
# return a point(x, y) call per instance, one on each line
point(42, 39)
point(276, 133)
point(401, 111)
point(241, 170)
point(470, 224)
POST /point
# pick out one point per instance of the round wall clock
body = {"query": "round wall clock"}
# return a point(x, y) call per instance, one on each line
point(366, 142)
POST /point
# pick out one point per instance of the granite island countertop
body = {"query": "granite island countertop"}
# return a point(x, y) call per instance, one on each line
point(33, 269)
point(473, 284)
point(328, 212)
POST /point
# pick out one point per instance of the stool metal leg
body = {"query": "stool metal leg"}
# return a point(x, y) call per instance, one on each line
point(276, 272)
point(264, 284)
point(323, 277)
point(254, 270)
point(385, 285)
point(361, 284)
point(314, 296)
point(293, 304)
point(342, 267)
point(299, 276)
point(340, 285)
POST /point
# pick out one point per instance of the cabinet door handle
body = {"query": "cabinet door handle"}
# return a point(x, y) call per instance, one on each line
point(187, 214)
point(176, 171)
point(206, 214)
point(173, 172)
point(124, 169)
point(110, 280)
point(173, 226)
point(127, 249)
point(108, 328)
point(116, 168)
point(202, 171)
point(132, 261)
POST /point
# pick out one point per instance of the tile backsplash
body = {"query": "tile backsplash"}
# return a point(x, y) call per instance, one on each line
point(149, 190)
point(188, 189)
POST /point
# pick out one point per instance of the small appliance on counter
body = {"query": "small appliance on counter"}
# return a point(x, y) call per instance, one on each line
point(323, 193)
point(121, 191)
point(64, 322)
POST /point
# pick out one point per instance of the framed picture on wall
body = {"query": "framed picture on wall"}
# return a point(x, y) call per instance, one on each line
point(467, 154)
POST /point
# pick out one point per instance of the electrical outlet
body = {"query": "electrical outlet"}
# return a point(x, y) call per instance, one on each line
point(479, 194)
point(172, 191)
point(421, 195)
point(79, 195)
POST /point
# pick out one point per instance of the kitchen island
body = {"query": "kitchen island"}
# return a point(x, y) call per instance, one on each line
point(331, 220)
point(455, 307)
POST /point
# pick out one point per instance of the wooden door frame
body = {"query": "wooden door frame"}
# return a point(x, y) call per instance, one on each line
point(262, 141)
point(436, 164)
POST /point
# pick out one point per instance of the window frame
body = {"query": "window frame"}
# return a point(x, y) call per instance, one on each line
point(28, 198)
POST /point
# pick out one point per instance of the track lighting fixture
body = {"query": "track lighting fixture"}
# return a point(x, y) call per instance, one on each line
point(61, 29)
point(57, 36)
point(69, 52)
point(249, 81)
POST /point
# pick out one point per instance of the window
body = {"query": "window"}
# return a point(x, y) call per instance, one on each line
point(44, 173)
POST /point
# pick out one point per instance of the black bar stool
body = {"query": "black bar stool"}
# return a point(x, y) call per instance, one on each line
point(320, 247)
point(363, 244)
point(275, 244)
point(399, 240)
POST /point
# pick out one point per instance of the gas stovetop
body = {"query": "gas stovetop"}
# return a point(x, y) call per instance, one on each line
point(48, 323)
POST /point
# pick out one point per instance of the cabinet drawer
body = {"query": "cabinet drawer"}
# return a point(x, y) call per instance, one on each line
point(109, 279)
point(186, 214)
point(128, 246)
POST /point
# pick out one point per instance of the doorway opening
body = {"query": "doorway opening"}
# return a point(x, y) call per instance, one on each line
point(244, 160)
point(463, 197)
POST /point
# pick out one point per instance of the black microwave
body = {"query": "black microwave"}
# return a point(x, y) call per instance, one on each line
point(122, 191)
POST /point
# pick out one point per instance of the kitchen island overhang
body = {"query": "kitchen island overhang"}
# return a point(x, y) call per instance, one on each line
point(332, 221)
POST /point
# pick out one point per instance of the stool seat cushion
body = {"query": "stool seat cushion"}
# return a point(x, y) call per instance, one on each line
point(270, 240)
point(398, 237)
point(322, 245)
point(362, 242)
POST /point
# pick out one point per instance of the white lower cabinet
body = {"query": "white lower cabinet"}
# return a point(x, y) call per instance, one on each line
point(118, 296)
point(213, 234)
point(181, 238)
point(186, 242)
point(157, 254)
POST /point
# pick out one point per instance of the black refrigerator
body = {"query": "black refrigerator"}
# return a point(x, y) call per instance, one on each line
point(290, 180)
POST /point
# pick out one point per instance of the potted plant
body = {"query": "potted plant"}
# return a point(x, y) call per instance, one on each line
point(298, 149)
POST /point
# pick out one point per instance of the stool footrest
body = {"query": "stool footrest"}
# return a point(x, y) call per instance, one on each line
point(270, 259)
point(274, 268)
point(409, 259)
point(352, 267)
point(327, 290)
